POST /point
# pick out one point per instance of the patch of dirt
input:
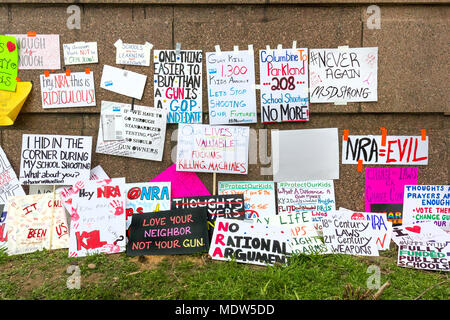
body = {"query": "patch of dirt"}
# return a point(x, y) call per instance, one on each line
point(152, 262)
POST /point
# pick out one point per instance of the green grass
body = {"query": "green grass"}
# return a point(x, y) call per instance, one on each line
point(43, 275)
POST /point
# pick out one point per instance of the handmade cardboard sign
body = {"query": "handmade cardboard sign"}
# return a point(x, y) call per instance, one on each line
point(300, 230)
point(395, 150)
point(9, 185)
point(59, 90)
point(309, 154)
point(427, 203)
point(128, 83)
point(424, 255)
point(343, 75)
point(231, 87)
point(384, 190)
point(133, 54)
point(55, 159)
point(178, 231)
point(259, 196)
point(315, 197)
point(137, 132)
point(178, 84)
point(346, 236)
point(40, 51)
point(420, 232)
point(9, 61)
point(80, 53)
point(284, 85)
point(36, 222)
point(228, 206)
point(205, 148)
point(146, 197)
point(98, 221)
point(249, 243)
point(184, 184)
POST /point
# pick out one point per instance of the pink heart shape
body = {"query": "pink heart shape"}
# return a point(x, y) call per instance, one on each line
point(11, 46)
point(415, 229)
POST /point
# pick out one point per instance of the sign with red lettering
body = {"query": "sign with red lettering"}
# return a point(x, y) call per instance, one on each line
point(9, 184)
point(98, 219)
point(36, 222)
point(60, 90)
point(178, 231)
point(395, 150)
point(284, 85)
point(205, 148)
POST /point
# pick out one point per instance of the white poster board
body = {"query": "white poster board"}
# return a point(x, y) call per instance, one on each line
point(133, 54)
point(128, 83)
point(80, 53)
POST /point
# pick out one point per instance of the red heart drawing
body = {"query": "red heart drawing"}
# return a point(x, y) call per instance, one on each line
point(69, 201)
point(11, 46)
point(415, 229)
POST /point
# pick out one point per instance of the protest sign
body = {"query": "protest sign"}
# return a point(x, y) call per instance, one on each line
point(9, 61)
point(59, 90)
point(259, 196)
point(3, 229)
point(146, 197)
point(343, 75)
point(80, 53)
point(98, 173)
point(249, 243)
point(97, 222)
point(384, 190)
point(231, 87)
point(9, 185)
point(228, 206)
point(40, 51)
point(420, 232)
point(349, 236)
point(183, 184)
point(137, 132)
point(424, 255)
point(128, 83)
point(55, 159)
point(397, 150)
point(133, 54)
point(309, 154)
point(36, 222)
point(205, 148)
point(315, 197)
point(300, 230)
point(178, 231)
point(284, 85)
point(427, 203)
point(178, 84)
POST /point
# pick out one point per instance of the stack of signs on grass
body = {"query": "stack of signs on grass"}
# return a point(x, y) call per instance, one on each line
point(391, 150)
point(38, 51)
point(133, 54)
point(64, 90)
point(9, 185)
point(97, 222)
point(178, 231)
point(55, 159)
point(36, 222)
point(136, 132)
point(259, 196)
point(343, 75)
point(178, 84)
point(125, 82)
point(315, 197)
point(284, 85)
point(146, 197)
point(344, 235)
point(307, 154)
point(228, 206)
point(300, 230)
point(247, 242)
point(231, 87)
point(80, 53)
point(9, 61)
point(427, 203)
point(205, 148)
point(384, 190)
